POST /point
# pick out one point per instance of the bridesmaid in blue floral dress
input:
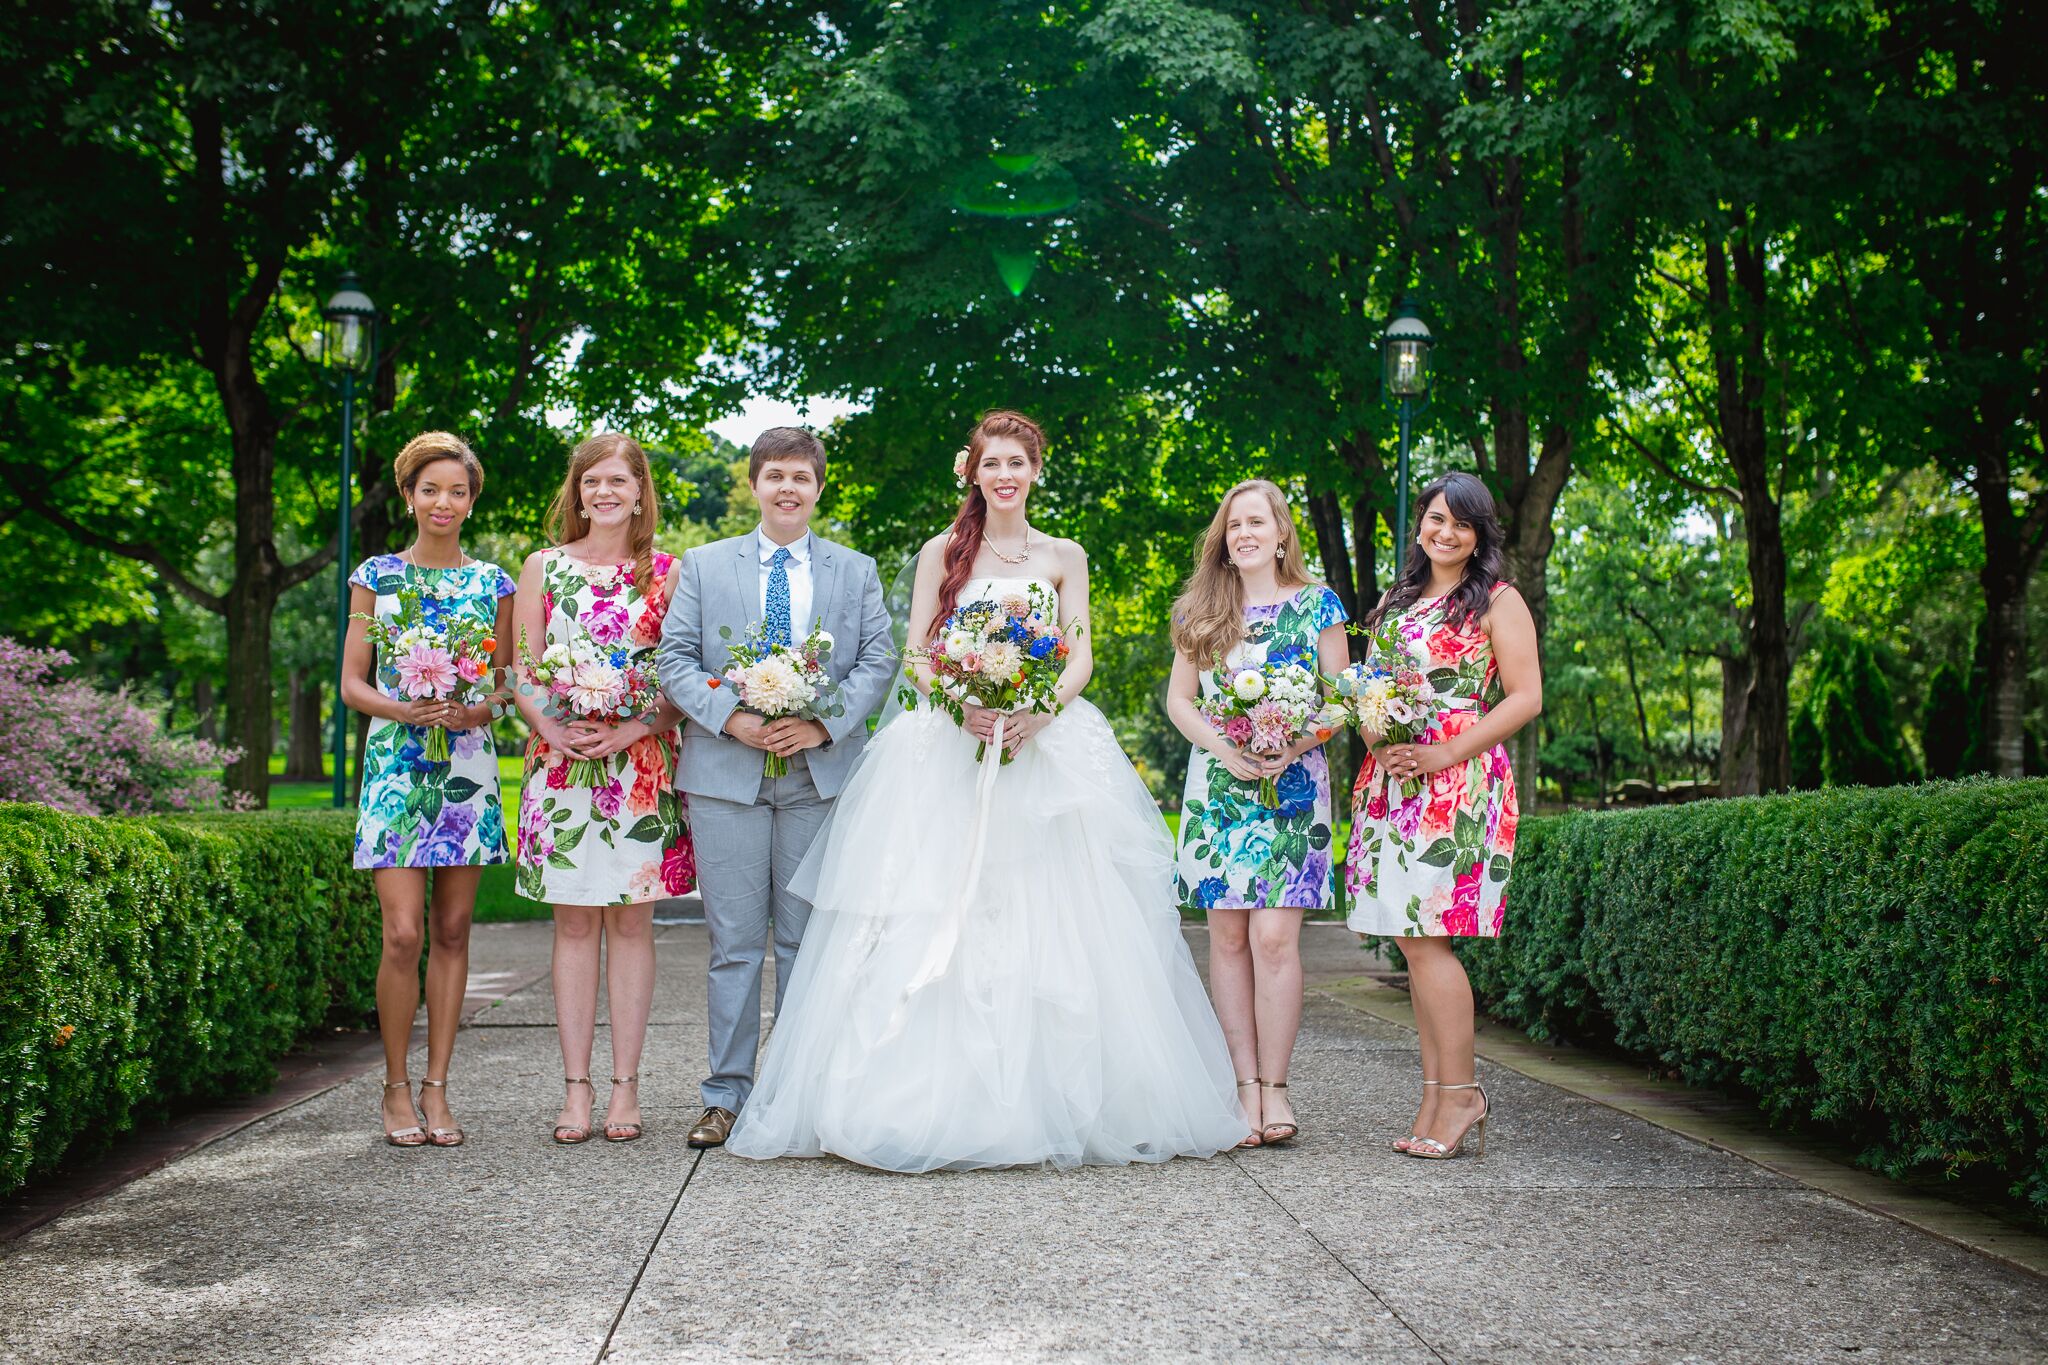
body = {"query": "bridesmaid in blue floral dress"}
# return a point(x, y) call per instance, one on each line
point(1254, 869)
point(415, 814)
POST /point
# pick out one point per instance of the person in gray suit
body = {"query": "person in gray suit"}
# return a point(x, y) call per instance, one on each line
point(751, 830)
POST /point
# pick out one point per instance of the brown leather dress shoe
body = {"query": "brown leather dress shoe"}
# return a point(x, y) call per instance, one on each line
point(714, 1128)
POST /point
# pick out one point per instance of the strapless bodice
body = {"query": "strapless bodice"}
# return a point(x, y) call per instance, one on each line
point(979, 589)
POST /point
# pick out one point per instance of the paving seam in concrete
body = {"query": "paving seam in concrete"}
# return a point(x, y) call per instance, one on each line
point(1661, 1104)
point(1342, 1264)
point(605, 1347)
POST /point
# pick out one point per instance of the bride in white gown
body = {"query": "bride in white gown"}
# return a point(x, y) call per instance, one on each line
point(1049, 1011)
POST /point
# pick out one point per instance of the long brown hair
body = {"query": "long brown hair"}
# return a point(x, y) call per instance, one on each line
point(964, 542)
point(1208, 616)
point(566, 520)
point(1471, 502)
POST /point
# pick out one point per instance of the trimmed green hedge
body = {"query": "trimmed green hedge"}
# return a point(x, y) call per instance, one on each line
point(1872, 960)
point(145, 962)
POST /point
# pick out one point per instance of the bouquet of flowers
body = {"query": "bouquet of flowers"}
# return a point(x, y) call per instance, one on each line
point(1005, 654)
point(1265, 708)
point(1389, 694)
point(434, 655)
point(580, 679)
point(777, 681)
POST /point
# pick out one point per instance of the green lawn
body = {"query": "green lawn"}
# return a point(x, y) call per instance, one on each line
point(496, 901)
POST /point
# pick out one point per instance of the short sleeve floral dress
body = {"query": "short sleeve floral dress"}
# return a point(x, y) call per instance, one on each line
point(413, 813)
point(624, 838)
point(1436, 863)
point(1234, 852)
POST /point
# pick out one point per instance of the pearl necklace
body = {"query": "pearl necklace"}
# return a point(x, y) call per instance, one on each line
point(1024, 555)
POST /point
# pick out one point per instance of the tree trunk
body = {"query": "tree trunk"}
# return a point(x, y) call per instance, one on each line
point(304, 744)
point(203, 707)
point(2012, 551)
point(1738, 757)
point(1738, 330)
point(1628, 654)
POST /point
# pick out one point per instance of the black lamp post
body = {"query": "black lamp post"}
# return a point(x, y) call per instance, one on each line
point(348, 349)
point(1404, 355)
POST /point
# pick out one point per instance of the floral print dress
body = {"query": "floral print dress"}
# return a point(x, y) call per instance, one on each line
point(625, 838)
point(1234, 852)
point(413, 813)
point(1436, 863)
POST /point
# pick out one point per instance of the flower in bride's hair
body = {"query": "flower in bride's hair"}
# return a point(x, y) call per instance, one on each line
point(960, 458)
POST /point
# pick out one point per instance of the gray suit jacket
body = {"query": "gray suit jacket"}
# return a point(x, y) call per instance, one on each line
point(720, 585)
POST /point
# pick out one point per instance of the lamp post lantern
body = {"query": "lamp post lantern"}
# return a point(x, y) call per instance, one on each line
point(1404, 356)
point(349, 348)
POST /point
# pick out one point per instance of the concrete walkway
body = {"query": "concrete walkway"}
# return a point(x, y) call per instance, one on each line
point(1584, 1233)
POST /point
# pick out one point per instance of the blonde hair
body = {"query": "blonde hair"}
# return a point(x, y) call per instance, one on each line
point(567, 521)
point(429, 446)
point(1208, 616)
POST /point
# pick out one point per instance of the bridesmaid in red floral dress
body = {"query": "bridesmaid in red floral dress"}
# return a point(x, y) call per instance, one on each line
point(1433, 822)
point(603, 834)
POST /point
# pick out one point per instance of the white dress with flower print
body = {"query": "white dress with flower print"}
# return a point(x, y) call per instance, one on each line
point(625, 838)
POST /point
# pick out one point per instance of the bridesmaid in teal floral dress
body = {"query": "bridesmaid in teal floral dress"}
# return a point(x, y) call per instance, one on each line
point(416, 814)
point(1254, 869)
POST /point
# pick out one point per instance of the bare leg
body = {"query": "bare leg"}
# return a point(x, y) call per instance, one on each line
point(1230, 985)
point(454, 902)
point(1443, 1009)
point(402, 896)
point(578, 942)
point(629, 985)
point(1432, 1061)
point(1276, 976)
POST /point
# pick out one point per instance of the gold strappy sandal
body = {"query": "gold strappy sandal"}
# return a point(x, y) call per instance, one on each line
point(1429, 1149)
point(1402, 1144)
point(622, 1132)
point(441, 1137)
point(1277, 1133)
point(1254, 1140)
point(568, 1134)
point(414, 1136)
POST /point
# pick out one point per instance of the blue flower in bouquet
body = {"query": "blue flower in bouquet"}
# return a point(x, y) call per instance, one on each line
point(1044, 647)
point(620, 657)
point(1017, 632)
point(1209, 891)
point(1297, 790)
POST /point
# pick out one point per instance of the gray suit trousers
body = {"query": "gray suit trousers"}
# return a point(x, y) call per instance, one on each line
point(736, 845)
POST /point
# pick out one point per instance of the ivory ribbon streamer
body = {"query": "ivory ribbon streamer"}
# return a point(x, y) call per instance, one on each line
point(938, 958)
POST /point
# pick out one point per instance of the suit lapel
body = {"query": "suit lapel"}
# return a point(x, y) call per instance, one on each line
point(747, 575)
point(824, 582)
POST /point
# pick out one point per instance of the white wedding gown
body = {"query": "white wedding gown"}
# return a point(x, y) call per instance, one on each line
point(1051, 1012)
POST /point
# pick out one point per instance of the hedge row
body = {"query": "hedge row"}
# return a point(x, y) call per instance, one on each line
point(1871, 960)
point(149, 961)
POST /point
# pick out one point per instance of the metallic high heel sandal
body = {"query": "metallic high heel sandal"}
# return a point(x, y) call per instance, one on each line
point(440, 1137)
point(1254, 1140)
point(414, 1136)
point(1284, 1131)
point(1429, 1149)
point(1402, 1144)
point(568, 1134)
point(622, 1132)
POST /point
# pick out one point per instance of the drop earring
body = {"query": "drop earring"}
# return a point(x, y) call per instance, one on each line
point(636, 509)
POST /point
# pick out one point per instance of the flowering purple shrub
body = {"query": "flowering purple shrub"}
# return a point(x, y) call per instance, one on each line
point(66, 743)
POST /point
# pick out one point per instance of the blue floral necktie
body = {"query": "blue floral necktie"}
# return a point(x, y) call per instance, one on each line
point(778, 596)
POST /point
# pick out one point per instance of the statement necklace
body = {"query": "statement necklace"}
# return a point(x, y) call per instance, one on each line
point(435, 587)
point(1019, 558)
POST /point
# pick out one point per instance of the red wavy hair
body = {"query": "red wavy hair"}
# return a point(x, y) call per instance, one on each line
point(964, 542)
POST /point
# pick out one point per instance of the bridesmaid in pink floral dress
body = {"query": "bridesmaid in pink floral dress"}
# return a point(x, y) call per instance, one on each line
point(1433, 822)
point(603, 849)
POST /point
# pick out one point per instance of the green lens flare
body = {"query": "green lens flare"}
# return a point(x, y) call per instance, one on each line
point(1015, 185)
point(1016, 268)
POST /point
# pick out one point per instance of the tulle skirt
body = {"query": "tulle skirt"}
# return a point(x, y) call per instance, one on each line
point(1049, 1012)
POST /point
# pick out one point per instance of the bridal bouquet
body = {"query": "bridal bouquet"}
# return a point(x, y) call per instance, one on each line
point(1265, 708)
point(777, 681)
point(1004, 654)
point(1389, 695)
point(435, 655)
point(580, 679)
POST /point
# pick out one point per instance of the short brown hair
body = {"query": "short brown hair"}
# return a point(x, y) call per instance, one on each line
point(429, 446)
point(786, 443)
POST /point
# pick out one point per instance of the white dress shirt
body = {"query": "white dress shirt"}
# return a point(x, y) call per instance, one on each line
point(799, 571)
